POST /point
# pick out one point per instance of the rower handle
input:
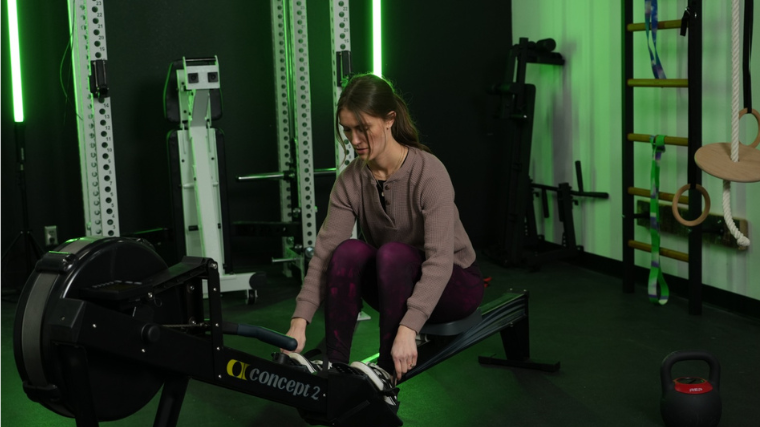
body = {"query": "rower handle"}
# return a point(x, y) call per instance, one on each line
point(263, 334)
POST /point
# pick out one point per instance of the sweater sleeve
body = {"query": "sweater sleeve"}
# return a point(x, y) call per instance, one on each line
point(439, 213)
point(336, 228)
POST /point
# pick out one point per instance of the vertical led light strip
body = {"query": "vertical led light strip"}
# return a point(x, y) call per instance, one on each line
point(18, 102)
point(377, 41)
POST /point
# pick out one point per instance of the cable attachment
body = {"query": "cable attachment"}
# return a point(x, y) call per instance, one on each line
point(685, 21)
point(99, 79)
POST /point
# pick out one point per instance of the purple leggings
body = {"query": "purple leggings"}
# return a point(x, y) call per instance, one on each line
point(385, 279)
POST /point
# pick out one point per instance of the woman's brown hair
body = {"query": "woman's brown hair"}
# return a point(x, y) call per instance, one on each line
point(374, 96)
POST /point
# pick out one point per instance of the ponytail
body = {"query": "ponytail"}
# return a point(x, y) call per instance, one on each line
point(403, 129)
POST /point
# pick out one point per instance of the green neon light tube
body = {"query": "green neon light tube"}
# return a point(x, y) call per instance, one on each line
point(371, 358)
point(18, 103)
point(377, 40)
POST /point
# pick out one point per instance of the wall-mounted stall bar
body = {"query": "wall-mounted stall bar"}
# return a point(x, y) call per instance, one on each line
point(691, 24)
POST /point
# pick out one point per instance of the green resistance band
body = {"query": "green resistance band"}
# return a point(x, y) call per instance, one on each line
point(655, 273)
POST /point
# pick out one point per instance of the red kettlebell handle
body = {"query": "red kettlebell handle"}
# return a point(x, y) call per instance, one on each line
point(678, 356)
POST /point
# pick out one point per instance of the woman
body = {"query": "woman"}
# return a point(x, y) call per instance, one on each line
point(415, 263)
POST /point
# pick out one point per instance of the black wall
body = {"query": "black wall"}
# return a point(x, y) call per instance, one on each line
point(52, 159)
point(441, 58)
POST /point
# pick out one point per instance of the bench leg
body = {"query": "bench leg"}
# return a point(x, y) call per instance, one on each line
point(516, 342)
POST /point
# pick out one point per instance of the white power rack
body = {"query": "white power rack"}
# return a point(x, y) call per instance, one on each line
point(93, 105)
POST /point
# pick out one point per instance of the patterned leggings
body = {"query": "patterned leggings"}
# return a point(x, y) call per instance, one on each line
point(385, 279)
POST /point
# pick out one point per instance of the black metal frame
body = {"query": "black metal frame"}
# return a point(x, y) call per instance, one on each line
point(25, 235)
point(565, 202)
point(518, 356)
point(629, 215)
point(518, 240)
point(694, 173)
point(517, 106)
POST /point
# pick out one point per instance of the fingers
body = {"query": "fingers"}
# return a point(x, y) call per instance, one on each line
point(300, 337)
point(299, 348)
point(412, 363)
point(404, 351)
point(399, 370)
point(298, 331)
point(404, 365)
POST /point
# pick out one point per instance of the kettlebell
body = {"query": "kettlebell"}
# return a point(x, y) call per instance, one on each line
point(690, 401)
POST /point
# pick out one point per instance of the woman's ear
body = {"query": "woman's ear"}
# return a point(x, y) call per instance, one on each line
point(390, 119)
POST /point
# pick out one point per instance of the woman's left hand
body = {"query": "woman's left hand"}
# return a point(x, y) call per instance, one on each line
point(404, 351)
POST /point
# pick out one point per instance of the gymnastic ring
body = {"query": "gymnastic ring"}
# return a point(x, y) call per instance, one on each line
point(702, 217)
point(757, 117)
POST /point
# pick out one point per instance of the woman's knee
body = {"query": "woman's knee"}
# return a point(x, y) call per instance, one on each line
point(398, 267)
point(351, 253)
point(394, 253)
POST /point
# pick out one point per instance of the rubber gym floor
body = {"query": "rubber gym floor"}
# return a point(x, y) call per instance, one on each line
point(610, 346)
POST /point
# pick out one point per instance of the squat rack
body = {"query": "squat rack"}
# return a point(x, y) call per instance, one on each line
point(293, 109)
point(93, 104)
point(292, 82)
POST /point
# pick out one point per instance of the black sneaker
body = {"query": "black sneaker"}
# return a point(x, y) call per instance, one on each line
point(320, 364)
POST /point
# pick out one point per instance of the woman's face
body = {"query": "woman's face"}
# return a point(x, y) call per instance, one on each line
point(366, 136)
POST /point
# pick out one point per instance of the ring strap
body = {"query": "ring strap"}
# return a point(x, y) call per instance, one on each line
point(655, 273)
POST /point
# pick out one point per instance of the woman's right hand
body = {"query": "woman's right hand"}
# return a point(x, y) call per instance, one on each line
point(298, 331)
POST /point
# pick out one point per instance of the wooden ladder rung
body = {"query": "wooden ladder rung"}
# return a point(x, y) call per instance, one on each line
point(668, 197)
point(662, 25)
point(668, 253)
point(669, 140)
point(658, 82)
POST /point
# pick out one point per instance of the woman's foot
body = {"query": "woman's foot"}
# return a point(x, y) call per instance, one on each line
point(381, 379)
point(302, 361)
point(312, 366)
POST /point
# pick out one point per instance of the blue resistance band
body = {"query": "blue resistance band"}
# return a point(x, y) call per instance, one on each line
point(650, 23)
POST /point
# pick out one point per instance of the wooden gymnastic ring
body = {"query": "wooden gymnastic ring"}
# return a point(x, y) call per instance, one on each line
point(757, 117)
point(702, 217)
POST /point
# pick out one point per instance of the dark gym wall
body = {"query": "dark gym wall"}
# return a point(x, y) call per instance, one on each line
point(52, 159)
point(442, 56)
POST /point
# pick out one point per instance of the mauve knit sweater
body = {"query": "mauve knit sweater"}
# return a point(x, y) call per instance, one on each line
point(419, 211)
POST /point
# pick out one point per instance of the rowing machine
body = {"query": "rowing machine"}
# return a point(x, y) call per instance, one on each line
point(103, 324)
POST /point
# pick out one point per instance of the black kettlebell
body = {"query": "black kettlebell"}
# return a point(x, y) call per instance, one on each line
point(690, 401)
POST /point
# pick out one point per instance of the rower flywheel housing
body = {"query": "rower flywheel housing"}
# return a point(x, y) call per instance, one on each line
point(118, 387)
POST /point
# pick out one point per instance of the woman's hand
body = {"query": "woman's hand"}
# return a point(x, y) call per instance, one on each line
point(404, 351)
point(298, 331)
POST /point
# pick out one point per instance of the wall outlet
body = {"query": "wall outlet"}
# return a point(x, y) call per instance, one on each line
point(51, 235)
